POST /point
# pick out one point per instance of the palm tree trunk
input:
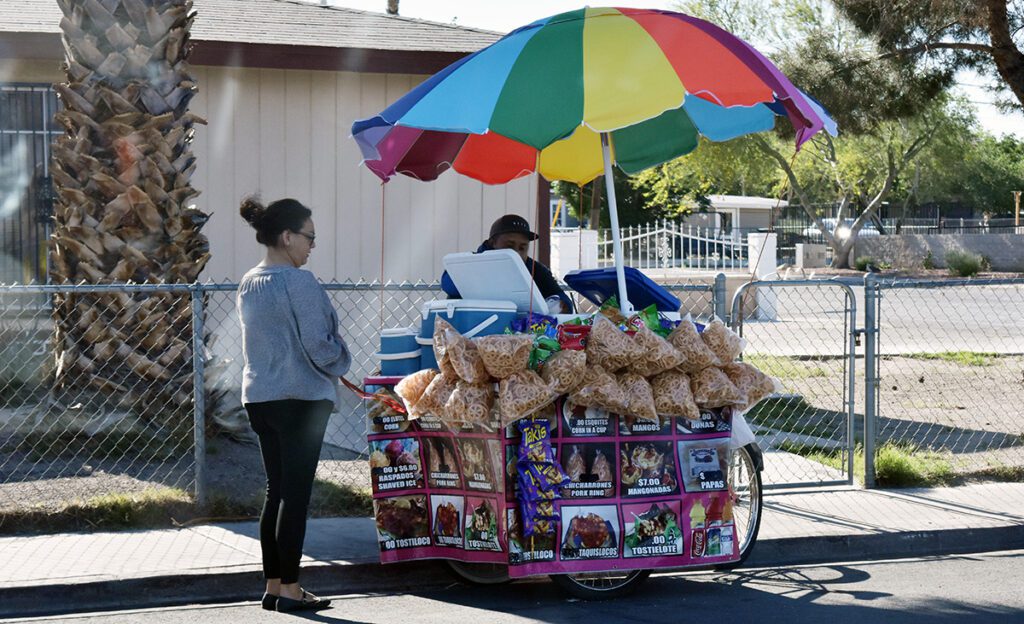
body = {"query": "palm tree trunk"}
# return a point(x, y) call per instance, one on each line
point(124, 208)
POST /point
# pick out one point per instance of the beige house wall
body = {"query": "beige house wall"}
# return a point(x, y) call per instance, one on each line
point(285, 133)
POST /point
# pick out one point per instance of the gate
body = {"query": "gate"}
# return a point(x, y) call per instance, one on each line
point(802, 332)
point(27, 128)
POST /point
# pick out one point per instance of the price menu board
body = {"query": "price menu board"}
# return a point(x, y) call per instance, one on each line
point(641, 495)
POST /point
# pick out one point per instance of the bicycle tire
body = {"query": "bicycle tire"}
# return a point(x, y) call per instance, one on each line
point(745, 489)
point(480, 573)
point(601, 585)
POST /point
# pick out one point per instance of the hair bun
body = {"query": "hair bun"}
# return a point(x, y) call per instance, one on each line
point(252, 211)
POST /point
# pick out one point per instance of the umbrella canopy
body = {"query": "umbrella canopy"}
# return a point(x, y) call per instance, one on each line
point(538, 100)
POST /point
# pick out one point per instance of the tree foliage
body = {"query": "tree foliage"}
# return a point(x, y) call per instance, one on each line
point(983, 35)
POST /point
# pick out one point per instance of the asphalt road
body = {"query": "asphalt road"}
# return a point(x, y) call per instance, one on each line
point(980, 588)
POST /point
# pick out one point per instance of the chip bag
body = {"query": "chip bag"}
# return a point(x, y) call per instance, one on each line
point(657, 355)
point(464, 357)
point(523, 394)
point(564, 371)
point(470, 403)
point(696, 355)
point(444, 363)
point(610, 347)
point(436, 396)
point(639, 397)
point(412, 387)
point(505, 354)
point(673, 396)
point(712, 388)
point(723, 342)
point(600, 389)
point(754, 384)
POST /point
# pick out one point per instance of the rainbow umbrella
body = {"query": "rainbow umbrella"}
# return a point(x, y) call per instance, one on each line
point(570, 95)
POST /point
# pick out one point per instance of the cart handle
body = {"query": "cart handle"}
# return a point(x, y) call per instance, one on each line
point(393, 404)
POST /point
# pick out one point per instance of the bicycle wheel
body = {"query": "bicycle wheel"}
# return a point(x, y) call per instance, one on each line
point(745, 490)
point(601, 585)
point(480, 573)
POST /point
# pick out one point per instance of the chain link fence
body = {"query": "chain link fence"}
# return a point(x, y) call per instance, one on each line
point(946, 375)
point(97, 398)
point(98, 385)
point(800, 333)
point(98, 393)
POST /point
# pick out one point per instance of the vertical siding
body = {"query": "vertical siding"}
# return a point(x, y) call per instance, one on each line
point(286, 133)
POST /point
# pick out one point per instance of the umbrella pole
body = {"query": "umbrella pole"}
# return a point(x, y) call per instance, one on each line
point(613, 212)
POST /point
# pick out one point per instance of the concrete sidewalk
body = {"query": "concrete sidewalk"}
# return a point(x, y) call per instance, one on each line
point(216, 563)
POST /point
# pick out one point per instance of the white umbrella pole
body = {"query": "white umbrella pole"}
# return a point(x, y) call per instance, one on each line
point(613, 211)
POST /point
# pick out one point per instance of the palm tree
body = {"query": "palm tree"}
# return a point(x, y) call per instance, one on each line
point(121, 173)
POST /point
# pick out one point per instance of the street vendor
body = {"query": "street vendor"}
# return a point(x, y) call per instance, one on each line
point(513, 232)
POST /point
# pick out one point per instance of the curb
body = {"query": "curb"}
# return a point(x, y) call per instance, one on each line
point(211, 587)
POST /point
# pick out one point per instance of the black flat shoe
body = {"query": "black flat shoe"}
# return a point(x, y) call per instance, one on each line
point(309, 602)
point(269, 602)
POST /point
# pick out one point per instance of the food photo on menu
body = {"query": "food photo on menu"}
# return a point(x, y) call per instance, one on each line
point(481, 525)
point(633, 426)
point(705, 464)
point(395, 464)
point(401, 522)
point(582, 421)
point(652, 530)
point(442, 466)
point(711, 421)
point(480, 459)
point(590, 532)
point(590, 470)
point(647, 469)
point(447, 517)
point(528, 549)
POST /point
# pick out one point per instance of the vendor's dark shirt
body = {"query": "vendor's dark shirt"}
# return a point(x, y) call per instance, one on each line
point(546, 282)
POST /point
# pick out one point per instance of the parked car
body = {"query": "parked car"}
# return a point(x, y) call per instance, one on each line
point(869, 228)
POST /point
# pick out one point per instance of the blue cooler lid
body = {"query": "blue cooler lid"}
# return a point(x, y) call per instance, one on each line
point(597, 285)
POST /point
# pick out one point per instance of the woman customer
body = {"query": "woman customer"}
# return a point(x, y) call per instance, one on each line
point(293, 358)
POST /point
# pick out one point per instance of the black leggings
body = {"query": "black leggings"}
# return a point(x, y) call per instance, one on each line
point(291, 433)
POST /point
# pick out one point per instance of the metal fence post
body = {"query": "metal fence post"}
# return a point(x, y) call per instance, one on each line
point(199, 393)
point(871, 300)
point(719, 299)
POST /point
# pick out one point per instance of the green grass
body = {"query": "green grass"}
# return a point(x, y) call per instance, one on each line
point(964, 358)
point(786, 367)
point(896, 465)
point(165, 507)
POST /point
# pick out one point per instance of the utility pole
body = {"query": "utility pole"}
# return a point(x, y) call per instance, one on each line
point(1016, 208)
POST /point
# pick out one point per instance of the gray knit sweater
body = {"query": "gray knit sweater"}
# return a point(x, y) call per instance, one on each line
point(290, 338)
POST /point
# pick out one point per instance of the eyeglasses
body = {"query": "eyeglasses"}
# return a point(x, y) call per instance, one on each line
point(310, 237)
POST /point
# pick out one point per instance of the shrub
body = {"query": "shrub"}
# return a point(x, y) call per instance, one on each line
point(929, 261)
point(862, 263)
point(963, 263)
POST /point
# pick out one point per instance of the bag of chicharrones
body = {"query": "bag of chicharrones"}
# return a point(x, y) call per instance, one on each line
point(657, 354)
point(436, 396)
point(564, 370)
point(696, 355)
point(465, 358)
point(673, 396)
point(444, 363)
point(470, 403)
point(609, 347)
point(639, 397)
point(600, 389)
point(712, 388)
point(723, 342)
point(754, 384)
point(504, 354)
point(521, 395)
point(412, 387)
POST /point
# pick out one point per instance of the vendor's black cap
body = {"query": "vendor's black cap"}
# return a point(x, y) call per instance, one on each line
point(510, 224)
